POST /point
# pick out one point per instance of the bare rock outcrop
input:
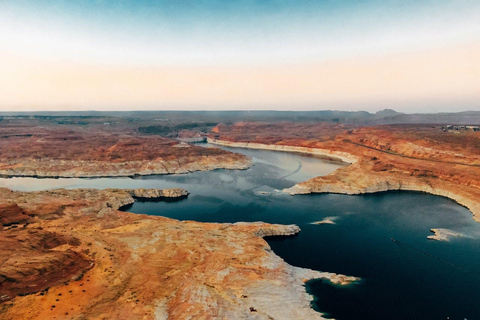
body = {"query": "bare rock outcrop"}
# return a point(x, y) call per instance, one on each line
point(421, 158)
point(11, 214)
point(52, 152)
point(270, 230)
point(34, 260)
point(158, 193)
point(98, 262)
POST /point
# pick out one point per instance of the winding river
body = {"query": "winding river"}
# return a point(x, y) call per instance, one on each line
point(381, 238)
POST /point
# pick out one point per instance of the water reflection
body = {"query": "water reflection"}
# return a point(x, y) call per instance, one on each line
point(271, 170)
point(410, 278)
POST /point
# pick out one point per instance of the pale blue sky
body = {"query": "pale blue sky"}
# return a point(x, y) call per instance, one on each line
point(215, 33)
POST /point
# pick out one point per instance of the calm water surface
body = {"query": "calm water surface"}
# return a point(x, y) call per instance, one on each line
point(410, 278)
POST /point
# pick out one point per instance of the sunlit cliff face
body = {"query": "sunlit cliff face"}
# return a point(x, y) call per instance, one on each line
point(413, 56)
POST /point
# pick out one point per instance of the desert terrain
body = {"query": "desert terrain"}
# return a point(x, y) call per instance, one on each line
point(101, 148)
point(72, 254)
point(413, 157)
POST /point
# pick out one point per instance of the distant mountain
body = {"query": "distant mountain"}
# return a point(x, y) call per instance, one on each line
point(387, 113)
point(386, 116)
point(467, 117)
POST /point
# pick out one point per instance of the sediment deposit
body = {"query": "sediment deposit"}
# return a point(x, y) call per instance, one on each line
point(441, 234)
point(71, 254)
point(327, 220)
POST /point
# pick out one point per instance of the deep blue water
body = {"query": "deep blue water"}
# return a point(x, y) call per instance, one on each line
point(410, 278)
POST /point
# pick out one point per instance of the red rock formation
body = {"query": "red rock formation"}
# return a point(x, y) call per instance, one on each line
point(98, 262)
point(398, 157)
point(11, 214)
point(55, 152)
point(34, 260)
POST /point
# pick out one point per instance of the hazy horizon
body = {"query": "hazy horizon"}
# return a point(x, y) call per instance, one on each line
point(223, 110)
point(411, 56)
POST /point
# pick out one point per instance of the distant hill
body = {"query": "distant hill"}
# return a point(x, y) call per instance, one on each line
point(224, 116)
point(386, 116)
point(467, 117)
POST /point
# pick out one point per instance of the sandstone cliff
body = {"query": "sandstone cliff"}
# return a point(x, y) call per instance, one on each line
point(158, 194)
point(52, 152)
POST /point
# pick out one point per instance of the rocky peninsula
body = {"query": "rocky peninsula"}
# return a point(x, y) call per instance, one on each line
point(54, 152)
point(71, 254)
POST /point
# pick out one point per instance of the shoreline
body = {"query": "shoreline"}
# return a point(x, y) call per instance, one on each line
point(336, 182)
point(388, 186)
point(116, 249)
point(294, 278)
point(10, 173)
point(336, 155)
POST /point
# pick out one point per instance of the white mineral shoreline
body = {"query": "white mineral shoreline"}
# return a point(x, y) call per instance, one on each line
point(339, 155)
point(383, 186)
point(117, 170)
point(376, 186)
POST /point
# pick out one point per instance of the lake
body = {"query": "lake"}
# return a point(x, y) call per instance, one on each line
point(381, 238)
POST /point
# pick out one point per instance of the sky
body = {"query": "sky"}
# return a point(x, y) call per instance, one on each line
point(412, 56)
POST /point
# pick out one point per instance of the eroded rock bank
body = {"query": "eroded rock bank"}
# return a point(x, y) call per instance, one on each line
point(70, 254)
point(385, 158)
point(337, 155)
point(158, 194)
point(354, 180)
point(53, 152)
point(98, 169)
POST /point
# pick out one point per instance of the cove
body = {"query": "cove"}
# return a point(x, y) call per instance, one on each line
point(409, 278)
